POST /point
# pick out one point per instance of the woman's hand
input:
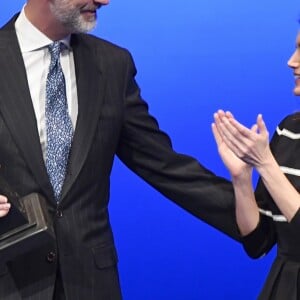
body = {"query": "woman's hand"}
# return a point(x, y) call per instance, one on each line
point(250, 145)
point(234, 164)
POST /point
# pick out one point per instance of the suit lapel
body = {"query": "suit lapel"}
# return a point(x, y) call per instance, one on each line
point(16, 106)
point(91, 91)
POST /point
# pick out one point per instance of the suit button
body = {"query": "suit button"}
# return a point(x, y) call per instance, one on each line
point(51, 256)
point(59, 213)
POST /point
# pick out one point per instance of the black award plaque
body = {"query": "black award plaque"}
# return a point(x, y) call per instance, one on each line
point(26, 226)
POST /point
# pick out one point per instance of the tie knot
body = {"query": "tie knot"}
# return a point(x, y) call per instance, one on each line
point(55, 49)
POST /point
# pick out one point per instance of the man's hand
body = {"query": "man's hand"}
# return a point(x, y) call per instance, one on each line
point(4, 206)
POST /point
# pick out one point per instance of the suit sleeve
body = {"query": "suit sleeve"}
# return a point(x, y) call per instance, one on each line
point(148, 151)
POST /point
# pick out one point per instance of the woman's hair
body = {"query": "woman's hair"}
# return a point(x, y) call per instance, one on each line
point(297, 113)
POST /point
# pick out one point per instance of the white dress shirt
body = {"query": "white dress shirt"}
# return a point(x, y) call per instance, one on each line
point(36, 56)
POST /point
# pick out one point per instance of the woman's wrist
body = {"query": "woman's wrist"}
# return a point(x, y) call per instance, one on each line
point(242, 177)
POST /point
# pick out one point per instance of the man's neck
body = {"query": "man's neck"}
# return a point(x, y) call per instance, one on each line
point(42, 18)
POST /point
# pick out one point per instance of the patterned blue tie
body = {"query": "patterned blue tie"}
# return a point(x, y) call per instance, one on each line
point(58, 123)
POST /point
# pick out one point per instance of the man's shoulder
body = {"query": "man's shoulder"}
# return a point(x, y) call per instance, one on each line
point(98, 43)
point(10, 24)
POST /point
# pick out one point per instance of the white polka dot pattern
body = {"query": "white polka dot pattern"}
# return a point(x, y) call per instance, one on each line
point(58, 123)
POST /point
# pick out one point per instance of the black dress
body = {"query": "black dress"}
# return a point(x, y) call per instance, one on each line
point(283, 281)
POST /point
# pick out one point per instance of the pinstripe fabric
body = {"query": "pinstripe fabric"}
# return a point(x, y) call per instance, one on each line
point(113, 120)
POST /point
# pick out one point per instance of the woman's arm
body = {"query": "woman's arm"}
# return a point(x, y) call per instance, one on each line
point(247, 213)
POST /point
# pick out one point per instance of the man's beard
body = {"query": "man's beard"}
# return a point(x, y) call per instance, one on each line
point(70, 16)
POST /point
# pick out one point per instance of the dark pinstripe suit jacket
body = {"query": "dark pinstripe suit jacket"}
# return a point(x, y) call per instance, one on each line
point(112, 120)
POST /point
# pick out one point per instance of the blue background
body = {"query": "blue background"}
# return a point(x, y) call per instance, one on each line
point(194, 57)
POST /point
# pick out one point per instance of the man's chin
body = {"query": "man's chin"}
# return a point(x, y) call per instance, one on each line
point(82, 27)
point(86, 26)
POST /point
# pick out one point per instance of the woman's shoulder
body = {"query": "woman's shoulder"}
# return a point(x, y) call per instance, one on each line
point(291, 123)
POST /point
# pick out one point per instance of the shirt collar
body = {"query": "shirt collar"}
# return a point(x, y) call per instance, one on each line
point(30, 38)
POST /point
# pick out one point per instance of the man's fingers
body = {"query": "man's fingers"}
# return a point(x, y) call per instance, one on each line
point(5, 206)
point(3, 199)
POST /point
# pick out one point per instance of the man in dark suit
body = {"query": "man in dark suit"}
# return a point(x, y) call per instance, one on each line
point(109, 118)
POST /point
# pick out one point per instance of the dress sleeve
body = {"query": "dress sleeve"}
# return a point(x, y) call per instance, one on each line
point(296, 219)
point(260, 240)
